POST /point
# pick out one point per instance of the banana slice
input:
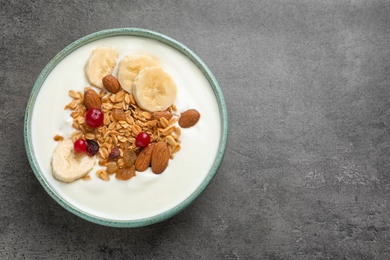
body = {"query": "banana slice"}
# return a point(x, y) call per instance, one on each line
point(154, 90)
point(101, 62)
point(131, 65)
point(68, 166)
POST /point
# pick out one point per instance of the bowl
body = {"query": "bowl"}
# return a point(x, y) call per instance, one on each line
point(146, 198)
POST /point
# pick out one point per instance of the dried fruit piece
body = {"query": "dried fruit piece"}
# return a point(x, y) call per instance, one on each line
point(92, 99)
point(160, 157)
point(111, 84)
point(119, 114)
point(129, 157)
point(189, 118)
point(125, 173)
point(111, 168)
point(144, 157)
point(92, 147)
point(114, 153)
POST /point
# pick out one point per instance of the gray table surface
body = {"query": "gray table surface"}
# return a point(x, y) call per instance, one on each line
point(306, 171)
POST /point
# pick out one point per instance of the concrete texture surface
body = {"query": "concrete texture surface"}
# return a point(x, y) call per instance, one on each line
point(306, 172)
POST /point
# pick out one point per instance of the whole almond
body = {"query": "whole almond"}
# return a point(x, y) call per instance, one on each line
point(92, 99)
point(111, 84)
point(144, 157)
point(160, 114)
point(189, 118)
point(160, 157)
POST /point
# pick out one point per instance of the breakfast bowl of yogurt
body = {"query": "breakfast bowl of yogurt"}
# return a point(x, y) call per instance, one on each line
point(125, 127)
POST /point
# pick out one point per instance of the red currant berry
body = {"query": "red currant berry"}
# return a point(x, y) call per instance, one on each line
point(80, 146)
point(94, 117)
point(142, 139)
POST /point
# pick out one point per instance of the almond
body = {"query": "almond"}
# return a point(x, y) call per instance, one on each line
point(144, 157)
point(92, 99)
point(111, 84)
point(160, 157)
point(160, 114)
point(189, 118)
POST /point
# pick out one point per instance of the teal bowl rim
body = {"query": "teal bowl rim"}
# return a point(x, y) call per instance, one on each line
point(126, 32)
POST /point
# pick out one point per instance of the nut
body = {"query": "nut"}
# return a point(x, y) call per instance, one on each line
point(103, 175)
point(92, 99)
point(144, 157)
point(111, 84)
point(160, 114)
point(160, 157)
point(189, 118)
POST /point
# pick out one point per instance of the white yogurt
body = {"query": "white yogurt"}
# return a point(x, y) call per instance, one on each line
point(147, 194)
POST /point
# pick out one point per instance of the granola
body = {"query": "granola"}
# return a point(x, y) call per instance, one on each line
point(123, 121)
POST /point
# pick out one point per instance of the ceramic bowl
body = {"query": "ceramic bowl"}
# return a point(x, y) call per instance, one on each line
point(146, 198)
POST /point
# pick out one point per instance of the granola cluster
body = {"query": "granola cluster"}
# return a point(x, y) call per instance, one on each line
point(123, 121)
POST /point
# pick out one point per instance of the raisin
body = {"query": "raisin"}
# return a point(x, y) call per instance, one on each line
point(111, 168)
point(92, 147)
point(129, 157)
point(114, 153)
point(125, 173)
point(119, 114)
